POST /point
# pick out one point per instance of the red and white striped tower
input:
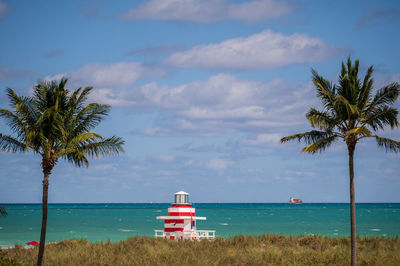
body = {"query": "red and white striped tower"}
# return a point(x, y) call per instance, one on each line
point(181, 220)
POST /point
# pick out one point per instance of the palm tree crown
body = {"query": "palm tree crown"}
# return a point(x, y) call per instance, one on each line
point(56, 123)
point(350, 112)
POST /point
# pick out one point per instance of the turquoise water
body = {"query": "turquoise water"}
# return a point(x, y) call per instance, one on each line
point(100, 222)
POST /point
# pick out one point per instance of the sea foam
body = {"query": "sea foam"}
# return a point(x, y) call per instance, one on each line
point(126, 230)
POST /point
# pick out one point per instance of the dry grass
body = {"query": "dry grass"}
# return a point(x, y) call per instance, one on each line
point(239, 250)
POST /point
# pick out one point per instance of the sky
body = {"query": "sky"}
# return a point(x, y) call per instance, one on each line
point(201, 91)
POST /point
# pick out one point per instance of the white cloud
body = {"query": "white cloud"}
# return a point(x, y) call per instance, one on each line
point(265, 50)
point(3, 9)
point(219, 164)
point(109, 81)
point(234, 113)
point(104, 167)
point(207, 11)
point(262, 140)
point(116, 75)
point(165, 158)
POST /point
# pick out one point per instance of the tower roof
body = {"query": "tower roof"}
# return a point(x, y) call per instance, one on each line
point(181, 193)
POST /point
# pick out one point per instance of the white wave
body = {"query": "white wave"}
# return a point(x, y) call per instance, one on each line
point(126, 230)
point(375, 229)
point(157, 211)
point(223, 223)
point(1, 227)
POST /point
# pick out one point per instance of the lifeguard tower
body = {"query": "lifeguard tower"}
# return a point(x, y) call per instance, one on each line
point(181, 221)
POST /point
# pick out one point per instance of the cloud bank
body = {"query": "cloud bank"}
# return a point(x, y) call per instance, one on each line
point(115, 75)
point(207, 11)
point(221, 104)
point(265, 50)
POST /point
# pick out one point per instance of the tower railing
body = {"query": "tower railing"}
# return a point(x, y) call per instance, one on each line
point(192, 234)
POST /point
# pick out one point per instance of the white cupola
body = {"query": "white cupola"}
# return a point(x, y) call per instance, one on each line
point(182, 197)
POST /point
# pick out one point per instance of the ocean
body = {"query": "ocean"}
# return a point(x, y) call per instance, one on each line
point(114, 222)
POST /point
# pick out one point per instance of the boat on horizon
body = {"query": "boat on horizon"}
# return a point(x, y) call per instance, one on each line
point(295, 201)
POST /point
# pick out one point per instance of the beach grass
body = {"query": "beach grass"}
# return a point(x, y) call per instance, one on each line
point(238, 250)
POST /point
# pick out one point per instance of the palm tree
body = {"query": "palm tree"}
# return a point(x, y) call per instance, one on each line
point(55, 123)
point(350, 113)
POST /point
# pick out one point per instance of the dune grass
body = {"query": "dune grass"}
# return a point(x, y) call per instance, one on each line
point(239, 250)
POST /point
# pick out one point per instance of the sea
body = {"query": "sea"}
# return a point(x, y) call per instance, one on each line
point(114, 222)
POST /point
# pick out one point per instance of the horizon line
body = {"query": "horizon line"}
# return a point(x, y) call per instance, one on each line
point(276, 202)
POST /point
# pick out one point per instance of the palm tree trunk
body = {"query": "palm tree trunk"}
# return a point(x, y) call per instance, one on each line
point(352, 207)
point(44, 217)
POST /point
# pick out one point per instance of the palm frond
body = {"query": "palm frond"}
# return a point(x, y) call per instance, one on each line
point(83, 96)
point(352, 110)
point(385, 96)
point(381, 117)
point(388, 144)
point(320, 119)
point(23, 106)
point(358, 131)
point(309, 137)
point(10, 144)
point(349, 84)
point(325, 90)
point(76, 143)
point(78, 158)
point(365, 91)
point(13, 121)
point(77, 154)
point(109, 146)
point(76, 101)
point(89, 117)
point(319, 145)
point(84, 138)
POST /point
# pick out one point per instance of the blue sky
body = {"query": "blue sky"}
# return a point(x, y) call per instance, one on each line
point(201, 91)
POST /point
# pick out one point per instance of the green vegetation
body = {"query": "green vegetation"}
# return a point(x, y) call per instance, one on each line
point(56, 124)
point(350, 113)
point(239, 250)
point(3, 211)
